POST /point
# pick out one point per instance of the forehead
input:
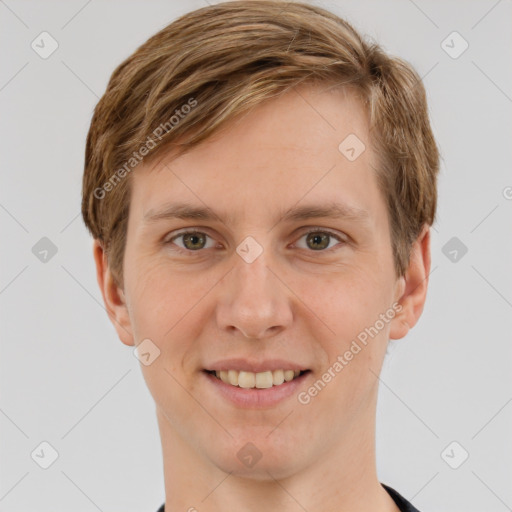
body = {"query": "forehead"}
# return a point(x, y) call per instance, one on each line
point(288, 149)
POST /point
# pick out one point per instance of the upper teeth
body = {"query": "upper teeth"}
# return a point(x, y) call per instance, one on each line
point(259, 380)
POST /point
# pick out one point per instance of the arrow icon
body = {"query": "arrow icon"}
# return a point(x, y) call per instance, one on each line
point(249, 249)
point(351, 147)
point(44, 455)
point(454, 249)
point(249, 455)
point(454, 45)
point(44, 45)
point(454, 455)
point(146, 352)
point(44, 250)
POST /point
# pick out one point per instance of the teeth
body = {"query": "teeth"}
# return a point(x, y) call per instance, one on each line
point(232, 377)
point(259, 380)
point(246, 379)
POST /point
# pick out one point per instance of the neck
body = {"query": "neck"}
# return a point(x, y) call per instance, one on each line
point(342, 479)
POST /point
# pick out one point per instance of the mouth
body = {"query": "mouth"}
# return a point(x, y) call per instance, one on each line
point(260, 380)
point(248, 390)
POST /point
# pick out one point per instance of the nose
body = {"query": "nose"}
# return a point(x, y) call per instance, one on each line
point(253, 300)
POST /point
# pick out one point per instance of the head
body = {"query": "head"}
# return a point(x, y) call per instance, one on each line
point(247, 110)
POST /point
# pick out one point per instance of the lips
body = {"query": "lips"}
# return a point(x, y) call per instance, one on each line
point(256, 384)
point(252, 397)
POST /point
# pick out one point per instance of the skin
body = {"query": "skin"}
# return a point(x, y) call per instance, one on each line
point(292, 302)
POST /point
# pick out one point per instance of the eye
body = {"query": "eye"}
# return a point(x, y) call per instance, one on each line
point(192, 241)
point(318, 239)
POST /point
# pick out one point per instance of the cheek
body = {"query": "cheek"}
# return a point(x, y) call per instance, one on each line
point(352, 309)
point(162, 310)
point(355, 352)
point(161, 298)
point(170, 308)
point(350, 302)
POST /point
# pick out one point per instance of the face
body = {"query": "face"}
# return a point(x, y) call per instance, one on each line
point(253, 286)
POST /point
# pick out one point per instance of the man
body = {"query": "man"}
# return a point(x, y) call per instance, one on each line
point(260, 183)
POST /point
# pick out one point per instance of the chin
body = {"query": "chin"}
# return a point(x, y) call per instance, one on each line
point(262, 471)
point(258, 456)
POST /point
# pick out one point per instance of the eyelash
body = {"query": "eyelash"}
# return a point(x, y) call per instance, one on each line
point(177, 248)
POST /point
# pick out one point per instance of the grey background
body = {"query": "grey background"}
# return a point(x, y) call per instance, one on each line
point(65, 377)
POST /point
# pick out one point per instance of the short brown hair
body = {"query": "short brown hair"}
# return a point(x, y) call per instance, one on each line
point(224, 60)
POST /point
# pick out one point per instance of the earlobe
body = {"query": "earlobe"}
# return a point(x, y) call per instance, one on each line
point(113, 296)
point(414, 289)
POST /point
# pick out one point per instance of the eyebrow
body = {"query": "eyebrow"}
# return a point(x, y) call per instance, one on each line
point(185, 211)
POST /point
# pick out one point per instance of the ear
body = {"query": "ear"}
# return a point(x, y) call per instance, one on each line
point(113, 296)
point(413, 286)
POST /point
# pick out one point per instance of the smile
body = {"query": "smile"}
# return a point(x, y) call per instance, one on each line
point(260, 380)
point(259, 392)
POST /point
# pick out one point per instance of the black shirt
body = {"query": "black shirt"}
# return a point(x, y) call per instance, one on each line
point(400, 501)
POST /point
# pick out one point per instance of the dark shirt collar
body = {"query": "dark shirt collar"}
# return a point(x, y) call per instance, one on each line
point(400, 501)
